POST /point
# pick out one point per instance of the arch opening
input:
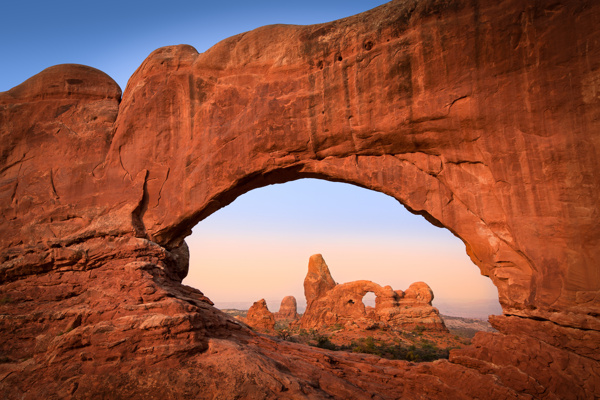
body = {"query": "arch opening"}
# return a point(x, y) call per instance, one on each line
point(258, 247)
point(369, 300)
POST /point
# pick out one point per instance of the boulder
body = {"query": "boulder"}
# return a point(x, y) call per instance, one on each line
point(259, 317)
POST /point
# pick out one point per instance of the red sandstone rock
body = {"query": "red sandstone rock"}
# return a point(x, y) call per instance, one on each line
point(482, 116)
point(259, 317)
point(318, 280)
point(419, 292)
point(288, 310)
point(343, 303)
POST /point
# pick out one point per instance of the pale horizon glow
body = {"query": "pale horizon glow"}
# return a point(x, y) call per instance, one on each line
point(259, 246)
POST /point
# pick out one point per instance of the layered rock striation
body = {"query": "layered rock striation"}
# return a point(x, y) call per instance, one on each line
point(481, 116)
point(342, 304)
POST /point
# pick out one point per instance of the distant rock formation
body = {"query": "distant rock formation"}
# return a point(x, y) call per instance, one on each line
point(318, 280)
point(329, 303)
point(259, 317)
point(288, 310)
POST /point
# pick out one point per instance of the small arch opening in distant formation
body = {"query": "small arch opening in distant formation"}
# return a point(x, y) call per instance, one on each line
point(369, 299)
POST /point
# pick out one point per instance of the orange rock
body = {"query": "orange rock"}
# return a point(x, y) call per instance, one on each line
point(318, 280)
point(343, 303)
point(482, 116)
point(288, 310)
point(259, 317)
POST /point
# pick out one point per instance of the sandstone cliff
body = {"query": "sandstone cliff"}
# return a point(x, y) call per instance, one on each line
point(482, 116)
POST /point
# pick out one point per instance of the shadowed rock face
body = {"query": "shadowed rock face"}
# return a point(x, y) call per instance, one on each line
point(343, 303)
point(482, 116)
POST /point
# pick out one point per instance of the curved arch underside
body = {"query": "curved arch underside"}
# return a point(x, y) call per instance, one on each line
point(481, 116)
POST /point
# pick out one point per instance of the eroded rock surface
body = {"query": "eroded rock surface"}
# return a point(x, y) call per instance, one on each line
point(318, 280)
point(343, 303)
point(482, 116)
point(259, 317)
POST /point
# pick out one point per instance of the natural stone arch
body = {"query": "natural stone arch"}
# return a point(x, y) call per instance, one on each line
point(341, 304)
point(367, 297)
point(450, 108)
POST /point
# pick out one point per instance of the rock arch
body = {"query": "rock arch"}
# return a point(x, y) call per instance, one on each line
point(341, 304)
point(369, 297)
point(454, 109)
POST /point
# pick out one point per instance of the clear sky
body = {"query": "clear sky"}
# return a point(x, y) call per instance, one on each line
point(116, 36)
point(259, 245)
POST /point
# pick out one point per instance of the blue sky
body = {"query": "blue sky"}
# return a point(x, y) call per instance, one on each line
point(116, 36)
point(259, 245)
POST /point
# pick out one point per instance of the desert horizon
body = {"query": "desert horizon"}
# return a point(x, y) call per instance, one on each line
point(454, 308)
